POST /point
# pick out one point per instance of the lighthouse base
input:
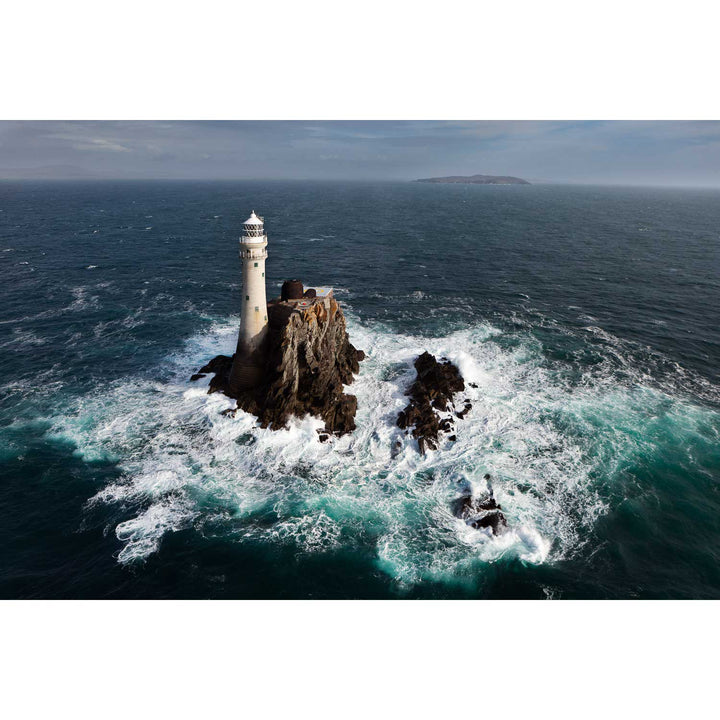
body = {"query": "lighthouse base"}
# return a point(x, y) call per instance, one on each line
point(301, 368)
point(249, 363)
point(245, 374)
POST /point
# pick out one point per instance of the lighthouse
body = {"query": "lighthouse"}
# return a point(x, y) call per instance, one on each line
point(253, 252)
point(247, 367)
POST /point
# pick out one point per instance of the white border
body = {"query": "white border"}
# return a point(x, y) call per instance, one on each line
point(370, 60)
point(379, 59)
point(358, 660)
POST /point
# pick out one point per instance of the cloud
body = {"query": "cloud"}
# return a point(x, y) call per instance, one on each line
point(90, 143)
point(683, 153)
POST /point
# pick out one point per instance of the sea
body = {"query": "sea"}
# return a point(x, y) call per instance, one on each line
point(586, 318)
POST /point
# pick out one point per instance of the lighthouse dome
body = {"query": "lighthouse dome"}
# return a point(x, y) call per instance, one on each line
point(253, 220)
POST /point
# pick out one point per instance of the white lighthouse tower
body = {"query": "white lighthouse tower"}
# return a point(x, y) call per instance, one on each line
point(253, 252)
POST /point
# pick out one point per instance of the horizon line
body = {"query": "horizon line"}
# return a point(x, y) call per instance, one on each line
point(350, 180)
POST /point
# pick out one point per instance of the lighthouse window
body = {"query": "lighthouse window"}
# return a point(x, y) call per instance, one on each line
point(257, 308)
point(247, 297)
point(256, 264)
point(263, 274)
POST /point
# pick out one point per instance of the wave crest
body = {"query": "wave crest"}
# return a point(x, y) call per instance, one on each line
point(554, 448)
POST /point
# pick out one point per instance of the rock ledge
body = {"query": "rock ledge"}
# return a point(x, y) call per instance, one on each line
point(305, 360)
point(430, 395)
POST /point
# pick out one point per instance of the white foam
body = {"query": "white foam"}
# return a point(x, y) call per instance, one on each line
point(142, 534)
point(23, 338)
point(182, 460)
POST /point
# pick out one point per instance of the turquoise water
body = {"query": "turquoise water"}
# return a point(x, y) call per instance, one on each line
point(587, 317)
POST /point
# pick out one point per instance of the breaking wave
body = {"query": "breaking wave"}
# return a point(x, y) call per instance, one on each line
point(554, 442)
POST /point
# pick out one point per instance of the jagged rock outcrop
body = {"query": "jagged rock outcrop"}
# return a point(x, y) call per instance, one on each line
point(306, 359)
point(476, 180)
point(432, 394)
point(481, 512)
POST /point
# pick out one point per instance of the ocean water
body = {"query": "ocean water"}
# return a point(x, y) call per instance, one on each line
point(588, 318)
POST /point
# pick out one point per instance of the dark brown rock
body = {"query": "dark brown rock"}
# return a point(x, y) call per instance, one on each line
point(432, 392)
point(221, 366)
point(216, 364)
point(479, 513)
point(307, 358)
point(494, 520)
point(466, 409)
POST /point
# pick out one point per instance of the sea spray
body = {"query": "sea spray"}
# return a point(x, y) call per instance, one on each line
point(551, 450)
point(594, 348)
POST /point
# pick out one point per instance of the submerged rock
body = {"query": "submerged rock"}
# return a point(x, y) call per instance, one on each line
point(479, 513)
point(304, 362)
point(431, 394)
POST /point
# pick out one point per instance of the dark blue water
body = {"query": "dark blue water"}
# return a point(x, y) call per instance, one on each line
point(588, 318)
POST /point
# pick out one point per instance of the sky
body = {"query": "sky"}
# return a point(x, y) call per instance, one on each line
point(669, 153)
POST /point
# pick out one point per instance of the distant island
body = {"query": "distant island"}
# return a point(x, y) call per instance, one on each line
point(477, 180)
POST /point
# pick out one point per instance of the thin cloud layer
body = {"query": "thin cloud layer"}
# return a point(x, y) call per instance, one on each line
point(607, 152)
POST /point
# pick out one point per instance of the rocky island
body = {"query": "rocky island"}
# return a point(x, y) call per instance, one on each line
point(432, 412)
point(293, 355)
point(431, 409)
point(294, 358)
point(304, 360)
point(480, 512)
point(476, 180)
